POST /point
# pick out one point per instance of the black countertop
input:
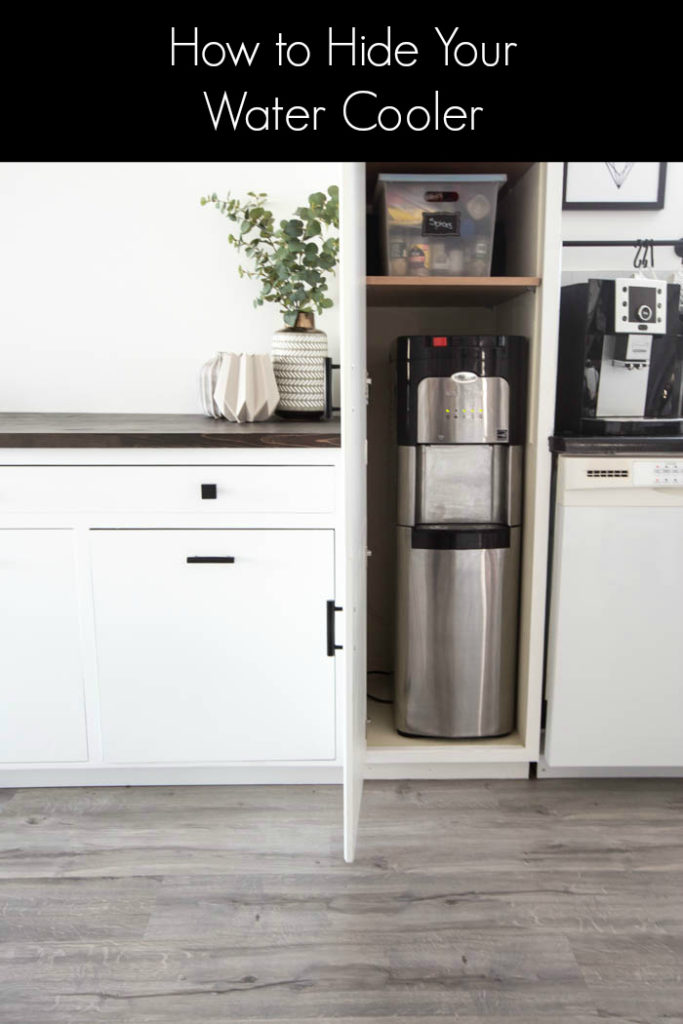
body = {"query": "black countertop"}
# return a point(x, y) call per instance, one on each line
point(615, 445)
point(94, 430)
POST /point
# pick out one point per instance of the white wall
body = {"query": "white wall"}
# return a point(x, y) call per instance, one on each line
point(116, 285)
point(597, 224)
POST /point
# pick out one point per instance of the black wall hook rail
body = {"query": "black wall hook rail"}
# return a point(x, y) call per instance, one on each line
point(675, 243)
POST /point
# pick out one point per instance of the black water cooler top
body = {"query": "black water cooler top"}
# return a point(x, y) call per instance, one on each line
point(440, 355)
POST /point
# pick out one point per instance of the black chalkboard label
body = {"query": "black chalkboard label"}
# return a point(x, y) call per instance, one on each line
point(442, 197)
point(440, 223)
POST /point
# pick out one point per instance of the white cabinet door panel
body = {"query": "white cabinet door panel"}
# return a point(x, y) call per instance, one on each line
point(354, 441)
point(214, 662)
point(42, 704)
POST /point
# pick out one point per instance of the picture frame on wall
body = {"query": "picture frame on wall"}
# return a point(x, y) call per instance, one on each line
point(610, 186)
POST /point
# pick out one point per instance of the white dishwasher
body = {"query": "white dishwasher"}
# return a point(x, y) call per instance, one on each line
point(614, 674)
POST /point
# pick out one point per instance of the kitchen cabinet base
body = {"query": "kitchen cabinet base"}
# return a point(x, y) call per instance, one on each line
point(546, 772)
point(171, 775)
point(444, 770)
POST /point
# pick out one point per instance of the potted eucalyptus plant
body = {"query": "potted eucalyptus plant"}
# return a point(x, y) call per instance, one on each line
point(292, 259)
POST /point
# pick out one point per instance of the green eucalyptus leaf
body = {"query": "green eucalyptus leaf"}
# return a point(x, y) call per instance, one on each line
point(294, 228)
point(309, 276)
point(312, 229)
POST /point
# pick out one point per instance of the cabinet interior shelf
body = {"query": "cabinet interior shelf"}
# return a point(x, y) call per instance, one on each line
point(384, 744)
point(446, 291)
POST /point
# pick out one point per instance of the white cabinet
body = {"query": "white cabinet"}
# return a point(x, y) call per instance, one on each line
point(168, 616)
point(42, 706)
point(214, 661)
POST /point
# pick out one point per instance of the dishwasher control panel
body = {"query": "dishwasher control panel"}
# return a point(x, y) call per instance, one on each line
point(620, 481)
point(658, 473)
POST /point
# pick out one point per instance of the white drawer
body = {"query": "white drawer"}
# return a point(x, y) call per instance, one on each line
point(304, 489)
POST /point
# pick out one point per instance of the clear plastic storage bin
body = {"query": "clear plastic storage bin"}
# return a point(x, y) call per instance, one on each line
point(437, 226)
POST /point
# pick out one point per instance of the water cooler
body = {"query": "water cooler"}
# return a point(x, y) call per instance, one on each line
point(461, 410)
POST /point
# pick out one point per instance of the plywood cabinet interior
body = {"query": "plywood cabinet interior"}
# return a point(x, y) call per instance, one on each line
point(521, 300)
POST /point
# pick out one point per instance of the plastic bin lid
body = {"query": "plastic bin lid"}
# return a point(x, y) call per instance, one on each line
point(478, 178)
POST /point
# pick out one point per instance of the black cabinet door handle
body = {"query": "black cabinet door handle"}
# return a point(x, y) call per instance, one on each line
point(331, 645)
point(210, 559)
point(209, 491)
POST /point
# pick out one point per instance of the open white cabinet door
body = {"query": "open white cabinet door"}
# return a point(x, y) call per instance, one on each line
point(353, 432)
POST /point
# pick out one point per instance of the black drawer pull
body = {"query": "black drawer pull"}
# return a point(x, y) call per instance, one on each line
point(209, 491)
point(198, 559)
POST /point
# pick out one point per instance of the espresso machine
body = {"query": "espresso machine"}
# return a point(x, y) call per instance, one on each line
point(461, 403)
point(620, 359)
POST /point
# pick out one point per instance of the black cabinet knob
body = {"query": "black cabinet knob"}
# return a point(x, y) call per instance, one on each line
point(209, 491)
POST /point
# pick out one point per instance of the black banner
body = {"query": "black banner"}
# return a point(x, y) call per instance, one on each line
point(436, 83)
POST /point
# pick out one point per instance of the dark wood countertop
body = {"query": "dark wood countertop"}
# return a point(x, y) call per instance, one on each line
point(95, 430)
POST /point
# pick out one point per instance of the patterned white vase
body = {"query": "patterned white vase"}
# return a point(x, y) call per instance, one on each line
point(241, 387)
point(299, 363)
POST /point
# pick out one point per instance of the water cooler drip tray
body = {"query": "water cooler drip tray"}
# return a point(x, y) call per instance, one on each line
point(443, 537)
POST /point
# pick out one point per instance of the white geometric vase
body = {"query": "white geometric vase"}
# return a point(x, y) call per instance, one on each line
point(299, 364)
point(240, 387)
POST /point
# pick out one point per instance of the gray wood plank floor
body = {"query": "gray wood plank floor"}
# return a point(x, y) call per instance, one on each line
point(549, 901)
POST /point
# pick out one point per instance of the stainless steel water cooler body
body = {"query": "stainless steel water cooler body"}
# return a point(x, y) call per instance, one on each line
point(460, 430)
